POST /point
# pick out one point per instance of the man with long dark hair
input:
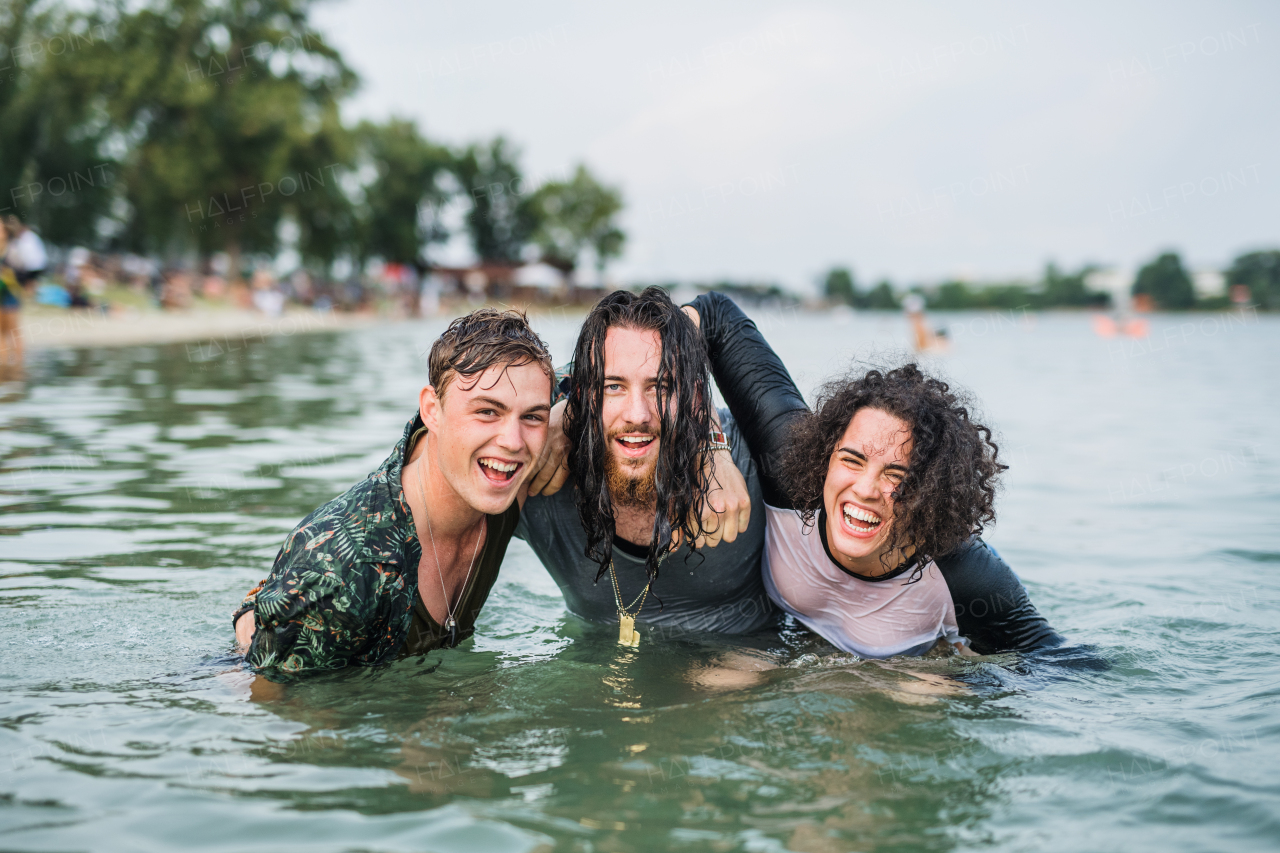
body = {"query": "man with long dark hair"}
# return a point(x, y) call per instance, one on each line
point(657, 525)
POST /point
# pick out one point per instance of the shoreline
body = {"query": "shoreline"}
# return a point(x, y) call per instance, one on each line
point(71, 328)
point(45, 329)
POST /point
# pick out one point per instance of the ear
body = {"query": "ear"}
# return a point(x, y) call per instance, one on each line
point(431, 407)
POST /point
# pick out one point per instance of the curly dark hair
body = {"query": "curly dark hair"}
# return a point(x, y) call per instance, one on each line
point(684, 407)
point(948, 493)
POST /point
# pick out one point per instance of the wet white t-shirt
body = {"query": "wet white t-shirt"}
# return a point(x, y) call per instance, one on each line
point(872, 619)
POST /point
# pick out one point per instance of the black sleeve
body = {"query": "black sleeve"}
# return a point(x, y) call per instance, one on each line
point(993, 610)
point(755, 385)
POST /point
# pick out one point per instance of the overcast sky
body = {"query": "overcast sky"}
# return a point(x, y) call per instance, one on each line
point(769, 141)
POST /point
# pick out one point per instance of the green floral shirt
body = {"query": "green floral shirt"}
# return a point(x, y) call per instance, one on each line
point(343, 587)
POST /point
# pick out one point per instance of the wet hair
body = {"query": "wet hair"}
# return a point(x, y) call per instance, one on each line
point(684, 411)
point(486, 337)
point(948, 492)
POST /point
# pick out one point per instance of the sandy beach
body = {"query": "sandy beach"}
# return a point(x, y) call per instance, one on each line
point(46, 329)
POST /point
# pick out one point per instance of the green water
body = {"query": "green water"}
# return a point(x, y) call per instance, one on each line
point(144, 489)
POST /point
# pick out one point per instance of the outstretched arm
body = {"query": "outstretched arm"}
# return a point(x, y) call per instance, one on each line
point(754, 383)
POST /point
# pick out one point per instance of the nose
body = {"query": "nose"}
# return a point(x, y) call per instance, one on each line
point(866, 487)
point(510, 437)
point(639, 410)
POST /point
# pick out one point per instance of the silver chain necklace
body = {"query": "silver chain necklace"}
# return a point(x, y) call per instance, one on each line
point(450, 624)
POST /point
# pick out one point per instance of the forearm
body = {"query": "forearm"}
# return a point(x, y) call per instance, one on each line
point(992, 607)
point(755, 385)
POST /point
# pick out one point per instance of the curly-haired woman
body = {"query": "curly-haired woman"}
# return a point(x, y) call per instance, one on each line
point(887, 474)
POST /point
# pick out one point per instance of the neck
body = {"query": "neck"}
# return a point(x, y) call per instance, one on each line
point(451, 517)
point(634, 523)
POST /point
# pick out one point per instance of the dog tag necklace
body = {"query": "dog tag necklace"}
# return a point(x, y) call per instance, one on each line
point(627, 634)
point(450, 624)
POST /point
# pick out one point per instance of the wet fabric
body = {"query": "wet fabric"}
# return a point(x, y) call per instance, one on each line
point(992, 607)
point(872, 619)
point(343, 588)
point(716, 589)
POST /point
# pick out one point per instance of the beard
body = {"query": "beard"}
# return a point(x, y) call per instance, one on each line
point(630, 485)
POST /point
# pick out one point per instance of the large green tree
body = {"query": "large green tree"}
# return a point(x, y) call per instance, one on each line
point(55, 169)
point(839, 286)
point(1260, 272)
point(881, 297)
point(1167, 283)
point(576, 215)
point(403, 203)
point(501, 220)
point(221, 103)
point(1069, 290)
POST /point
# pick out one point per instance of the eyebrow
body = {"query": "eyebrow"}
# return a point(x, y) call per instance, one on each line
point(858, 453)
point(490, 401)
point(498, 404)
point(650, 379)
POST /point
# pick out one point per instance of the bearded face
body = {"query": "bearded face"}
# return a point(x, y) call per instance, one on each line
point(632, 358)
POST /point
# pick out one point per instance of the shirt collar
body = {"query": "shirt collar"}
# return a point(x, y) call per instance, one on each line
point(395, 542)
point(907, 565)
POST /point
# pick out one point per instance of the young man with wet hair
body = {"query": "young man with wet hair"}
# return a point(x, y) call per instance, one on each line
point(650, 463)
point(403, 561)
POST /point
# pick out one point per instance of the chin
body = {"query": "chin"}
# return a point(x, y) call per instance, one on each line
point(493, 498)
point(491, 503)
point(855, 549)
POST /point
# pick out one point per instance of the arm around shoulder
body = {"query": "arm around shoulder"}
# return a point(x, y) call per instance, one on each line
point(755, 385)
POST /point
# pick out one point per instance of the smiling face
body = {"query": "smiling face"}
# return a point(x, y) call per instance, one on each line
point(487, 431)
point(630, 413)
point(868, 463)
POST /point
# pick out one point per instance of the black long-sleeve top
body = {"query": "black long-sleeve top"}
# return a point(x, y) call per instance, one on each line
point(992, 608)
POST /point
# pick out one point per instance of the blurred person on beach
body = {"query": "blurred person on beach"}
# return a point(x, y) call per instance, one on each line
point(11, 295)
point(403, 561)
point(25, 254)
point(267, 295)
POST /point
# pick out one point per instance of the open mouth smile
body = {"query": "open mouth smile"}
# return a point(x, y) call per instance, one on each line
point(635, 445)
point(860, 522)
point(499, 471)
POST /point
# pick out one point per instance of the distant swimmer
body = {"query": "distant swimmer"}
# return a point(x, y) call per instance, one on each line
point(1122, 322)
point(923, 338)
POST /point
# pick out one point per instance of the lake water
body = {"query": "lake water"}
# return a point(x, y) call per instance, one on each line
point(144, 489)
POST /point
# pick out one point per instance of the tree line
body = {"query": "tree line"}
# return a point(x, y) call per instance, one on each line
point(1165, 281)
point(180, 128)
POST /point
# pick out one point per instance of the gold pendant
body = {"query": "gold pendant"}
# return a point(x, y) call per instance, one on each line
point(627, 633)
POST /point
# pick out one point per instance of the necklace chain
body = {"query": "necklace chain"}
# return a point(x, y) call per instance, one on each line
point(451, 623)
point(644, 593)
point(617, 594)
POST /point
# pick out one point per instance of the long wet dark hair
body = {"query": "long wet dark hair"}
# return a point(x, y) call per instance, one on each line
point(949, 491)
point(684, 409)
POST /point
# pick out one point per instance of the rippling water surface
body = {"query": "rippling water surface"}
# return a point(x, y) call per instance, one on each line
point(144, 489)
